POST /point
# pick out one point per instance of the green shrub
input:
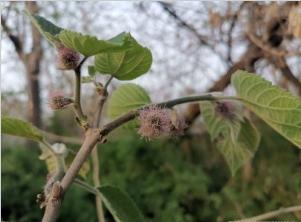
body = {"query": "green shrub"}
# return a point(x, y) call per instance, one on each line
point(179, 180)
point(23, 177)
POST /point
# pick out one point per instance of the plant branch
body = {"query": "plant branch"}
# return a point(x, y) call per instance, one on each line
point(246, 62)
point(174, 102)
point(203, 40)
point(108, 83)
point(77, 94)
point(94, 135)
point(230, 32)
point(96, 182)
point(95, 158)
point(287, 73)
point(101, 102)
point(52, 208)
point(168, 104)
point(271, 51)
point(272, 214)
point(13, 38)
point(169, 9)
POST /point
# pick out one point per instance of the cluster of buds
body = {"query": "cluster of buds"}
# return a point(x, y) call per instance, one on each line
point(67, 58)
point(58, 101)
point(156, 122)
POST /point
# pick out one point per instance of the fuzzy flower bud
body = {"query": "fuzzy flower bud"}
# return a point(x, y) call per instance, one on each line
point(58, 101)
point(67, 58)
point(154, 122)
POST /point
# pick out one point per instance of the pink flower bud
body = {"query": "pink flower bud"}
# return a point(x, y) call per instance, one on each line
point(154, 122)
point(58, 101)
point(67, 58)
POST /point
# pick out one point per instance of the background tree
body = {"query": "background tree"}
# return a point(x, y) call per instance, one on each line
point(31, 60)
point(212, 41)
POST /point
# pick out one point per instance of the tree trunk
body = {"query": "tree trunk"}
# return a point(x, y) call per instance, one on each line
point(32, 63)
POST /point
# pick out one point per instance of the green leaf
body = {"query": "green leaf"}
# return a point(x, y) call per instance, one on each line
point(234, 136)
point(122, 38)
point(277, 107)
point(49, 159)
point(90, 45)
point(120, 205)
point(127, 97)
point(46, 28)
point(125, 65)
point(17, 127)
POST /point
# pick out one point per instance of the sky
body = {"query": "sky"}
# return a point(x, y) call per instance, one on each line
point(179, 61)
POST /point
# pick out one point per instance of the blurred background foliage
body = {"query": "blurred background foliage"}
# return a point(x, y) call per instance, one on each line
point(176, 179)
point(196, 47)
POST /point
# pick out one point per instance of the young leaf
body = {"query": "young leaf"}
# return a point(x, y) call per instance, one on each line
point(126, 65)
point(46, 28)
point(234, 136)
point(90, 45)
point(127, 97)
point(85, 168)
point(49, 159)
point(52, 164)
point(122, 208)
point(277, 107)
point(17, 127)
